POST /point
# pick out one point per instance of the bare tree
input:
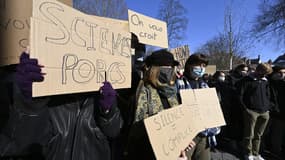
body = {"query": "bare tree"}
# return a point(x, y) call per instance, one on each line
point(218, 51)
point(106, 8)
point(270, 23)
point(229, 47)
point(174, 14)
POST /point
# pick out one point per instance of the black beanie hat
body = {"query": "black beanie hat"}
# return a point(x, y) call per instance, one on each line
point(161, 58)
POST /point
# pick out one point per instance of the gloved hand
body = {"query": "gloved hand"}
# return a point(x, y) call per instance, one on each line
point(108, 96)
point(27, 72)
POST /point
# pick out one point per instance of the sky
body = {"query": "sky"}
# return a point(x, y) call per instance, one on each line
point(206, 20)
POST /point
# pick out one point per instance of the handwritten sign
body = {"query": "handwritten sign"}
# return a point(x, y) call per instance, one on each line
point(14, 28)
point(181, 54)
point(171, 130)
point(148, 30)
point(77, 50)
point(206, 104)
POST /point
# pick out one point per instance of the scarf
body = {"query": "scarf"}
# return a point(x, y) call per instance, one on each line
point(149, 102)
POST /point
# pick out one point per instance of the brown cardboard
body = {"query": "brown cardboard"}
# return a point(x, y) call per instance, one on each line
point(171, 130)
point(14, 28)
point(122, 24)
point(206, 104)
point(148, 30)
point(181, 54)
point(211, 69)
point(77, 49)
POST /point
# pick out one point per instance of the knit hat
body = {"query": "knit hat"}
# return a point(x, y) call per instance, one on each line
point(161, 58)
point(264, 68)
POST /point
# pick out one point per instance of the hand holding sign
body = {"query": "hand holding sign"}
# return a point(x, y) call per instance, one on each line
point(108, 96)
point(28, 71)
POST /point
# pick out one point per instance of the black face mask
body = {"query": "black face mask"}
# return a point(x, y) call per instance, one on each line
point(166, 75)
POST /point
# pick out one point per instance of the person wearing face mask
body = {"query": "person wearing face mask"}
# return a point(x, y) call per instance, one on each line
point(257, 99)
point(194, 69)
point(155, 92)
point(237, 74)
point(224, 92)
point(277, 128)
point(234, 122)
point(218, 82)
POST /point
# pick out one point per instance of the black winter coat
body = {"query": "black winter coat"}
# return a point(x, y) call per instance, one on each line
point(256, 94)
point(279, 88)
point(67, 127)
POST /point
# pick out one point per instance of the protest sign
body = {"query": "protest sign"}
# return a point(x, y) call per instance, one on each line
point(79, 52)
point(121, 24)
point(181, 54)
point(14, 28)
point(148, 30)
point(171, 130)
point(206, 104)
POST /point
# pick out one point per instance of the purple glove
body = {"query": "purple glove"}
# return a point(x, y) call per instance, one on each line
point(27, 72)
point(108, 96)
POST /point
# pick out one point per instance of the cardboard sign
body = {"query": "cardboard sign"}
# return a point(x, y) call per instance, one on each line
point(181, 54)
point(14, 28)
point(122, 24)
point(148, 30)
point(206, 104)
point(211, 69)
point(79, 52)
point(171, 130)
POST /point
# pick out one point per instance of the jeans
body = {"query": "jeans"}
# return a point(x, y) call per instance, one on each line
point(254, 126)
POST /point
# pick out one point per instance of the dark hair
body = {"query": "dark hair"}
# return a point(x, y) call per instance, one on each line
point(240, 67)
point(136, 45)
point(277, 68)
point(196, 59)
point(217, 74)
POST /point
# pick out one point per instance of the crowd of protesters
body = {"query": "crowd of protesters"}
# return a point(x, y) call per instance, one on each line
point(252, 103)
point(108, 124)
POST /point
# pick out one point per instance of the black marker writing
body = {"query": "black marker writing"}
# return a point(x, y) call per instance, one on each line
point(47, 10)
point(97, 38)
point(136, 20)
point(83, 70)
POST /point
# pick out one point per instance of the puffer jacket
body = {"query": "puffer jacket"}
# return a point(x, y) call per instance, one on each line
point(66, 127)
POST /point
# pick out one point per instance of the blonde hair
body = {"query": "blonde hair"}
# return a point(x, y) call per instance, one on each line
point(264, 68)
point(151, 75)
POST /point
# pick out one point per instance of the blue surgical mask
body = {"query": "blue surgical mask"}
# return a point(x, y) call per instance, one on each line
point(197, 72)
